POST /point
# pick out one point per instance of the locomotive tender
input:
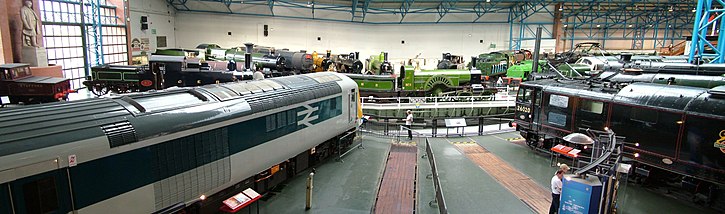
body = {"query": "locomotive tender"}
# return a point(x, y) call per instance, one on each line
point(161, 73)
point(186, 147)
point(679, 129)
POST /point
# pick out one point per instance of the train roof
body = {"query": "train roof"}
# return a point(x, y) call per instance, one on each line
point(13, 65)
point(658, 95)
point(40, 126)
point(574, 88)
point(165, 58)
point(672, 97)
point(41, 80)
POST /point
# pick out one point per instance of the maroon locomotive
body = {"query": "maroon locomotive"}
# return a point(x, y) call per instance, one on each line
point(20, 86)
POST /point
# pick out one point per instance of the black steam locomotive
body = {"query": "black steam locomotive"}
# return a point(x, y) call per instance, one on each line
point(162, 72)
point(679, 130)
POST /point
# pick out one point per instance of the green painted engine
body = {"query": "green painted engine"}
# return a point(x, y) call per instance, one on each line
point(498, 63)
point(412, 82)
point(379, 64)
point(523, 69)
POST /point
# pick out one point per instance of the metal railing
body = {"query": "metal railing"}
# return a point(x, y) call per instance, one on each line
point(356, 142)
point(432, 127)
point(504, 96)
point(439, 199)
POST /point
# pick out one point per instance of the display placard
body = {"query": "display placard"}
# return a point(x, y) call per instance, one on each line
point(455, 122)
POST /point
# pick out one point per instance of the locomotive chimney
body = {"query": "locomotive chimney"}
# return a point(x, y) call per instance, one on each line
point(473, 62)
point(329, 52)
point(248, 56)
point(385, 56)
point(626, 57)
point(357, 55)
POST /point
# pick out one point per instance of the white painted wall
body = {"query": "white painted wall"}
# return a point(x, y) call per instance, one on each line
point(161, 18)
point(429, 40)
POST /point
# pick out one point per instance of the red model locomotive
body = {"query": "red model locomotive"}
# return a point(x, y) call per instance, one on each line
point(20, 86)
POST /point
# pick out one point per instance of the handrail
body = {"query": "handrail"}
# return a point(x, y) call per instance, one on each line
point(604, 156)
point(440, 200)
point(352, 133)
point(433, 102)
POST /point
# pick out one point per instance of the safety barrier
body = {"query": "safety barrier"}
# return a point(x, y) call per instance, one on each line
point(431, 127)
point(356, 143)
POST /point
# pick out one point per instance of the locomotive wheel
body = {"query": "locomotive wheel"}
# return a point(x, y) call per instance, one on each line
point(438, 81)
point(532, 141)
point(100, 90)
point(437, 90)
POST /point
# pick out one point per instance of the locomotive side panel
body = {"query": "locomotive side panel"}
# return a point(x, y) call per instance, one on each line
point(592, 114)
point(656, 131)
point(557, 116)
point(703, 144)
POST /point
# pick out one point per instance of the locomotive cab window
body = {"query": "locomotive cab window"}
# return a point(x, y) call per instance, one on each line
point(592, 106)
point(524, 95)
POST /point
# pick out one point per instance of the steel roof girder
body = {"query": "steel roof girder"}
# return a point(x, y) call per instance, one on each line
point(444, 7)
point(353, 10)
point(271, 6)
point(481, 10)
point(404, 8)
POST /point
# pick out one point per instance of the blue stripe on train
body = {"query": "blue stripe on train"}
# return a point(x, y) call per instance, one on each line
point(107, 177)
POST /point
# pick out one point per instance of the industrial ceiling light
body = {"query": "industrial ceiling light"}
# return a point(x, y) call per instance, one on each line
point(630, 25)
point(561, 8)
point(566, 25)
point(694, 10)
point(599, 25)
point(671, 9)
point(488, 0)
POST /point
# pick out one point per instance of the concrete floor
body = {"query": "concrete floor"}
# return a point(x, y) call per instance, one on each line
point(351, 186)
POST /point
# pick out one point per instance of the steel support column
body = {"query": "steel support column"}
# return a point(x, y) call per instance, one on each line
point(708, 17)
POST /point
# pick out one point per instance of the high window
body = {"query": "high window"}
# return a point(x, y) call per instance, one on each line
point(66, 36)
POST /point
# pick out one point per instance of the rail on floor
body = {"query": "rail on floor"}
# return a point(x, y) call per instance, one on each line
point(439, 199)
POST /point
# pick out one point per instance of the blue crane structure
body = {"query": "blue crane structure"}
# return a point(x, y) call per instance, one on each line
point(708, 21)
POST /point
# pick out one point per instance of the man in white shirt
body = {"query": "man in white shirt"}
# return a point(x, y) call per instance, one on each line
point(409, 124)
point(556, 191)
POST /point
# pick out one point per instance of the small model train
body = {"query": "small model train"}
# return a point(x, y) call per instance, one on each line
point(20, 86)
point(678, 130)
